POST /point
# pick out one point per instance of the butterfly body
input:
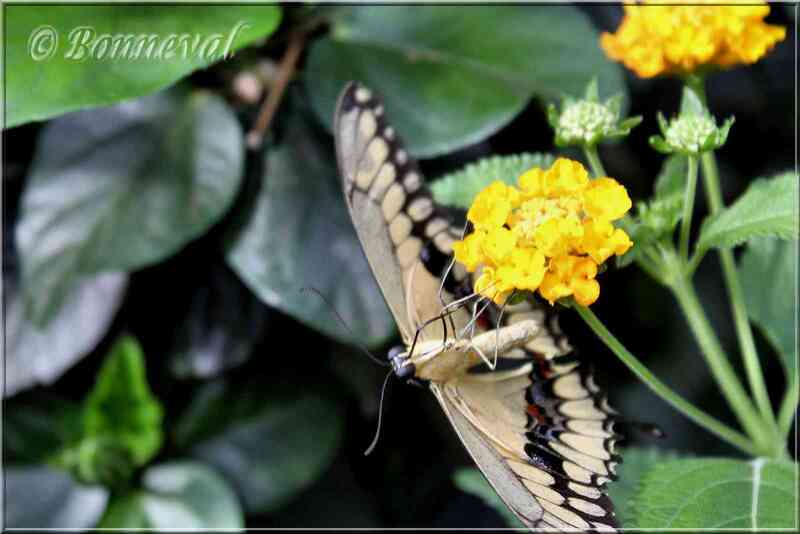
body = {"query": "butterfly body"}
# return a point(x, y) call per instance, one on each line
point(530, 415)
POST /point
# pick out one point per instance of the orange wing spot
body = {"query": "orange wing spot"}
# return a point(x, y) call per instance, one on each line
point(544, 370)
point(534, 412)
point(483, 323)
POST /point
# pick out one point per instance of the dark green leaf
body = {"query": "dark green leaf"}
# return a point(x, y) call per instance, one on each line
point(298, 234)
point(40, 356)
point(769, 276)
point(445, 84)
point(121, 408)
point(178, 495)
point(459, 188)
point(718, 493)
point(36, 426)
point(767, 208)
point(269, 446)
point(39, 497)
point(77, 77)
point(223, 324)
point(623, 490)
point(471, 481)
point(123, 187)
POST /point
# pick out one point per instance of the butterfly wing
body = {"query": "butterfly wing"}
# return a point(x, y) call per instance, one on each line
point(539, 430)
point(539, 421)
point(401, 229)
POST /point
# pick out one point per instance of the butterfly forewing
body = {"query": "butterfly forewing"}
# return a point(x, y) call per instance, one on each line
point(537, 425)
point(405, 236)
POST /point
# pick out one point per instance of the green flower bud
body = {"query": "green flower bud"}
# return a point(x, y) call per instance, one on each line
point(585, 122)
point(690, 134)
point(588, 121)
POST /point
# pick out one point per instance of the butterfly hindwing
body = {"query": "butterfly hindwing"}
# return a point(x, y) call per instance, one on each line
point(548, 425)
point(537, 426)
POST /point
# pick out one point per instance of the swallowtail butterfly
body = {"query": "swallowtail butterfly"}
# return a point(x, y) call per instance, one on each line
point(536, 424)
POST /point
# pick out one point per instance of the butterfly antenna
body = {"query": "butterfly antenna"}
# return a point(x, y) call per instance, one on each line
point(380, 416)
point(346, 327)
point(422, 327)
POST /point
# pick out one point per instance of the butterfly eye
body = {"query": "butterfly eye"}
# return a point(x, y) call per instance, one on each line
point(394, 352)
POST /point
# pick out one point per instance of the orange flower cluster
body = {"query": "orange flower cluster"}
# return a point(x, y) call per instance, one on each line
point(658, 39)
point(549, 234)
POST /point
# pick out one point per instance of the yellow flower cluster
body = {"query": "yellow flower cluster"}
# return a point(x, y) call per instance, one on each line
point(550, 233)
point(668, 39)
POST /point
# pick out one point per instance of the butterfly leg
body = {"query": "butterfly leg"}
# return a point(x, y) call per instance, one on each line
point(499, 324)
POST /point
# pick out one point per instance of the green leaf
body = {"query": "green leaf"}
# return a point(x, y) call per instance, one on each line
point(37, 356)
point(767, 208)
point(270, 446)
point(77, 77)
point(718, 493)
point(36, 426)
point(660, 145)
point(298, 234)
point(179, 495)
point(671, 180)
point(624, 490)
point(121, 408)
point(445, 84)
point(656, 219)
point(120, 188)
point(768, 273)
point(470, 480)
point(459, 188)
point(223, 324)
point(38, 497)
point(691, 102)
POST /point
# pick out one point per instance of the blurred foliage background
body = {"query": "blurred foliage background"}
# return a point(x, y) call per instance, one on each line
point(162, 366)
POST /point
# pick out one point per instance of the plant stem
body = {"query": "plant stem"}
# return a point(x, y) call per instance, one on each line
point(662, 390)
point(594, 161)
point(788, 408)
point(688, 207)
point(721, 368)
point(744, 332)
point(268, 109)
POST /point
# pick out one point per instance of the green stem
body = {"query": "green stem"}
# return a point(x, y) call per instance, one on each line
point(694, 263)
point(688, 207)
point(744, 333)
point(721, 368)
point(594, 161)
point(662, 390)
point(788, 408)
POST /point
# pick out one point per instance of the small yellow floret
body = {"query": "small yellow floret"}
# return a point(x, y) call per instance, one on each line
point(606, 199)
point(498, 244)
point(493, 205)
point(469, 252)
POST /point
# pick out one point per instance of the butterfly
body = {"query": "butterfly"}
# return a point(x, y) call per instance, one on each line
point(529, 414)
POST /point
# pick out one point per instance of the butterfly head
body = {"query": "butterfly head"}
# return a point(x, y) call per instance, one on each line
point(402, 367)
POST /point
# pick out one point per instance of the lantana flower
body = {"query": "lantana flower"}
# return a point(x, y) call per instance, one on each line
point(671, 39)
point(549, 234)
